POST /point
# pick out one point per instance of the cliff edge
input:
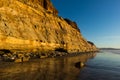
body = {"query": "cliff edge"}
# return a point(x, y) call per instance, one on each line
point(34, 24)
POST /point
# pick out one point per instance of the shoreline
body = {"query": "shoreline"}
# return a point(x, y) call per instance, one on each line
point(24, 56)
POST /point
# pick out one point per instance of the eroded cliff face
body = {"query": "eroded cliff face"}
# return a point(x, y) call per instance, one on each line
point(34, 24)
point(46, 4)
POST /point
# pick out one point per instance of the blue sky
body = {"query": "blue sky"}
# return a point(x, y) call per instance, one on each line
point(98, 20)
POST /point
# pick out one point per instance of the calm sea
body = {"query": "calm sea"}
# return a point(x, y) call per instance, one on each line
point(104, 65)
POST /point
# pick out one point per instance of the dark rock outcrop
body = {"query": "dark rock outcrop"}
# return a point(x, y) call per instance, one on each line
point(91, 43)
point(73, 24)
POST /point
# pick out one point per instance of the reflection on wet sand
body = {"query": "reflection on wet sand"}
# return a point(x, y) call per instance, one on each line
point(61, 68)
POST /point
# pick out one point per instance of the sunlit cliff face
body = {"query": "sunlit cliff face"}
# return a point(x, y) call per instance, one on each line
point(33, 24)
point(46, 4)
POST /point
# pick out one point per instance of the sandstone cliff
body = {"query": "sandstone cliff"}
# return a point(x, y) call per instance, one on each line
point(34, 24)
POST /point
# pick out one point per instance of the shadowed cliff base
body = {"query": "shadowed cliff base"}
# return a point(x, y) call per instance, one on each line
point(28, 55)
point(34, 25)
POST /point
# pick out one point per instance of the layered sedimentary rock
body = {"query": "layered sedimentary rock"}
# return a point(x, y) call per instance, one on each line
point(34, 24)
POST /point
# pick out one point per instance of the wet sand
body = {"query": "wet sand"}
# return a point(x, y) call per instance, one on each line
point(60, 68)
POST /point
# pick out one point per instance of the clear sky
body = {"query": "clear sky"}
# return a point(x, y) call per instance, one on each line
point(98, 20)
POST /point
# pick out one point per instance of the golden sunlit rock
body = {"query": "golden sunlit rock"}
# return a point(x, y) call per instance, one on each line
point(34, 24)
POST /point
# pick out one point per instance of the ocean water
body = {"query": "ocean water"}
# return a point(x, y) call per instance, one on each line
point(104, 65)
